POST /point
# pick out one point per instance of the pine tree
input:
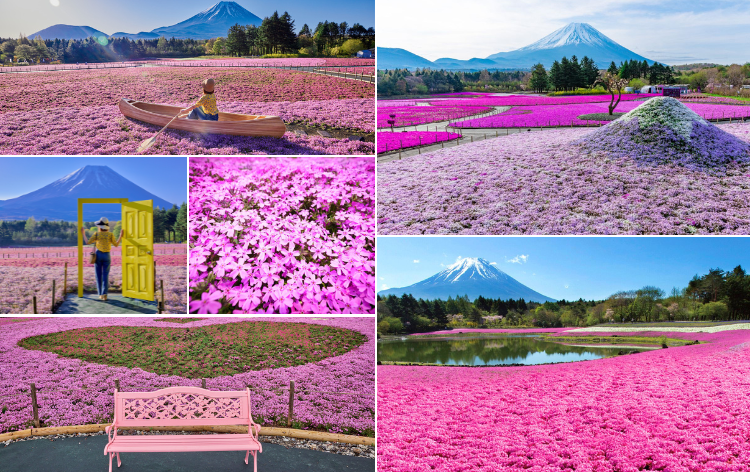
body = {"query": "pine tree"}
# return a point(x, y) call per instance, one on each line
point(180, 226)
point(539, 81)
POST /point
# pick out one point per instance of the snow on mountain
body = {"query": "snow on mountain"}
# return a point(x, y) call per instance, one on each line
point(573, 33)
point(59, 200)
point(579, 39)
point(211, 23)
point(473, 277)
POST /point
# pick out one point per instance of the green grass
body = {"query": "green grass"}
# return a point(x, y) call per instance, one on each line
point(744, 99)
point(619, 339)
point(179, 320)
point(600, 116)
point(205, 352)
point(668, 324)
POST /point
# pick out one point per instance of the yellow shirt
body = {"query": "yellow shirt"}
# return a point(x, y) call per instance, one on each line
point(208, 104)
point(104, 240)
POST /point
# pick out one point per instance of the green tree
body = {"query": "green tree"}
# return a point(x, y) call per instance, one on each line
point(219, 46)
point(180, 225)
point(237, 41)
point(30, 225)
point(539, 81)
point(613, 69)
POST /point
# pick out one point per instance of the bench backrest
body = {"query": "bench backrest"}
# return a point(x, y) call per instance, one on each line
point(182, 406)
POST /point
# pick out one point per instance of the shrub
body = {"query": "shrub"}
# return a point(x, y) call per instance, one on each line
point(394, 324)
point(383, 327)
point(351, 47)
point(713, 311)
point(580, 91)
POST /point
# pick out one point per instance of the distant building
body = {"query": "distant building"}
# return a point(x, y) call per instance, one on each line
point(364, 54)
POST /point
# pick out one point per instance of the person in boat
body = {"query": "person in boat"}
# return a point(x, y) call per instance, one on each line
point(104, 240)
point(206, 108)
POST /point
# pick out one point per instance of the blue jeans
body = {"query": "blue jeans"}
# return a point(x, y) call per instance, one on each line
point(103, 261)
point(198, 114)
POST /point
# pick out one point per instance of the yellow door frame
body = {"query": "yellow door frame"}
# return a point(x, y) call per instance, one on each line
point(81, 202)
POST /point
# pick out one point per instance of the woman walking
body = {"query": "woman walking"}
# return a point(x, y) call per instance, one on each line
point(104, 240)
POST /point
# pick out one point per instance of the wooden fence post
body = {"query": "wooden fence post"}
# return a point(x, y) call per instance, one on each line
point(34, 301)
point(34, 405)
point(161, 282)
point(291, 404)
point(117, 384)
point(52, 308)
point(203, 383)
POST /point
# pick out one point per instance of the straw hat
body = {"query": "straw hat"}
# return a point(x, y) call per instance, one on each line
point(208, 85)
point(103, 224)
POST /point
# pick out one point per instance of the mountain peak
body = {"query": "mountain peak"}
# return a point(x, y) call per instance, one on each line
point(472, 276)
point(572, 34)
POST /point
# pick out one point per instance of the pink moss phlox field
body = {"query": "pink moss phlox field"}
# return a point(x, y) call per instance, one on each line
point(352, 372)
point(388, 141)
point(682, 409)
point(417, 115)
point(284, 235)
point(49, 113)
point(104, 130)
point(539, 183)
point(567, 115)
point(529, 100)
point(19, 284)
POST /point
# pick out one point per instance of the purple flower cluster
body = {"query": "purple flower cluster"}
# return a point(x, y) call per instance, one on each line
point(71, 391)
point(531, 100)
point(282, 235)
point(388, 141)
point(679, 409)
point(567, 115)
point(540, 183)
point(406, 115)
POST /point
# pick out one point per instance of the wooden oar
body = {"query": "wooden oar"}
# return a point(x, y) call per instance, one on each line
point(147, 143)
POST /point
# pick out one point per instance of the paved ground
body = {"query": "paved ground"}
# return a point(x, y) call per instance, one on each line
point(87, 454)
point(116, 304)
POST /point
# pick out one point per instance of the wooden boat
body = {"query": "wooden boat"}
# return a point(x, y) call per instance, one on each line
point(229, 123)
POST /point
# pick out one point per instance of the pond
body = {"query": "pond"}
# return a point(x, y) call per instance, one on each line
point(488, 350)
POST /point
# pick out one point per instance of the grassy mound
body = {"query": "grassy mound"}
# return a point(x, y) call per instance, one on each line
point(665, 131)
point(205, 352)
point(600, 116)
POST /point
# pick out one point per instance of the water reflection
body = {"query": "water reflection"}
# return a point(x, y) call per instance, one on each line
point(488, 350)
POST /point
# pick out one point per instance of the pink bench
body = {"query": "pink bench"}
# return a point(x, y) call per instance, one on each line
point(182, 406)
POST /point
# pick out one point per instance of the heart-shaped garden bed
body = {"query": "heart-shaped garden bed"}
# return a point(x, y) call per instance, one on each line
point(202, 352)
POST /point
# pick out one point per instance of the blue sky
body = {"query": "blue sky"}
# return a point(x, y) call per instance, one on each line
point(164, 176)
point(133, 16)
point(669, 31)
point(566, 267)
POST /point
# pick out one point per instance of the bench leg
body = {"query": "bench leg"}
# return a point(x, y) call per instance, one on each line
point(111, 455)
point(255, 461)
point(246, 456)
point(118, 460)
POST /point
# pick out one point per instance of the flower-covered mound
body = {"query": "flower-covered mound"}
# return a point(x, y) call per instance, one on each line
point(76, 112)
point(664, 131)
point(681, 409)
point(335, 394)
point(282, 235)
point(202, 352)
point(539, 183)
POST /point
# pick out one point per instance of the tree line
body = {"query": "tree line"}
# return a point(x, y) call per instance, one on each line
point(275, 35)
point(571, 74)
point(716, 296)
point(397, 82)
point(169, 225)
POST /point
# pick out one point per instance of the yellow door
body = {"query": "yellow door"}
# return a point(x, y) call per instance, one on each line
point(138, 250)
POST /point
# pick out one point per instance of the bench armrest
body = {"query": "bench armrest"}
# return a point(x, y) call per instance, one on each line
point(111, 428)
point(254, 430)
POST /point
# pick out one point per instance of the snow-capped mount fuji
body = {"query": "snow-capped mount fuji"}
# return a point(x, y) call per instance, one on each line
point(473, 277)
point(579, 39)
point(59, 200)
point(213, 22)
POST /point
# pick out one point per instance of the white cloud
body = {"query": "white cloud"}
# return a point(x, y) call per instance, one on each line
point(381, 278)
point(566, 286)
point(416, 261)
point(660, 29)
point(519, 259)
point(493, 263)
point(384, 287)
